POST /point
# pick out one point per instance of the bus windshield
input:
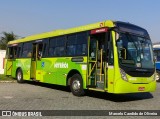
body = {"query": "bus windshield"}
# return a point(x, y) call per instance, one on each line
point(134, 51)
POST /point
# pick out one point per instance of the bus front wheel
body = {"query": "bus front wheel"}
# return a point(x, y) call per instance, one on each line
point(76, 85)
point(19, 76)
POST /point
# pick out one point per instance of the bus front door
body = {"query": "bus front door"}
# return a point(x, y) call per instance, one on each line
point(97, 72)
point(36, 61)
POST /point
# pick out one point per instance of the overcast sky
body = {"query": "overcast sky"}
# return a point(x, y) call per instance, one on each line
point(27, 17)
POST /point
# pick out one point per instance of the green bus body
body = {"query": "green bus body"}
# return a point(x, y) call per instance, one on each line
point(99, 71)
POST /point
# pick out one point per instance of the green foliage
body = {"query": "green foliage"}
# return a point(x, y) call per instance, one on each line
point(6, 38)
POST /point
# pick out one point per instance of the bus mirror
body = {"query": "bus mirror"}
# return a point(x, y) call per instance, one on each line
point(123, 53)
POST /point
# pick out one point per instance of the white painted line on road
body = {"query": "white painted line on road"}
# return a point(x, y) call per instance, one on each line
point(7, 97)
point(8, 81)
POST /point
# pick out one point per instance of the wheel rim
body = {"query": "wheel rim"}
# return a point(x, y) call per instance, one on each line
point(19, 76)
point(76, 85)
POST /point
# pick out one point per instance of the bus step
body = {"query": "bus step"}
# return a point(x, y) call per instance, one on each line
point(35, 80)
point(97, 89)
point(100, 84)
point(100, 77)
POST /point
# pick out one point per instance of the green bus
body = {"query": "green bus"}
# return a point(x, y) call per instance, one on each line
point(108, 56)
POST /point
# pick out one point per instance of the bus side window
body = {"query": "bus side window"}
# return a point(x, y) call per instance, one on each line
point(10, 53)
point(18, 52)
point(77, 44)
point(45, 47)
point(15, 51)
point(57, 46)
point(7, 54)
point(27, 50)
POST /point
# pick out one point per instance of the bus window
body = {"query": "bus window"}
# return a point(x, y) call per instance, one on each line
point(45, 48)
point(27, 50)
point(18, 52)
point(59, 51)
point(111, 58)
point(77, 44)
point(57, 46)
point(12, 52)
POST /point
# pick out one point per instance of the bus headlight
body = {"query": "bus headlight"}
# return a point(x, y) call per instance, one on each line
point(123, 75)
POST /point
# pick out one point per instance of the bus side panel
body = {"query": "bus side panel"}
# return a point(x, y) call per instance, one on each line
point(110, 81)
point(48, 74)
point(5, 66)
point(25, 65)
point(83, 72)
point(55, 70)
point(14, 68)
point(9, 67)
point(113, 71)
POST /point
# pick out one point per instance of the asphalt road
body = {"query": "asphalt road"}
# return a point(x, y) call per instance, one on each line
point(37, 96)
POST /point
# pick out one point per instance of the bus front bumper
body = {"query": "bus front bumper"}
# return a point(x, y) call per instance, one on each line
point(122, 86)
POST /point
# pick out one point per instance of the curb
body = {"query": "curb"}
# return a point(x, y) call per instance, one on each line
point(8, 81)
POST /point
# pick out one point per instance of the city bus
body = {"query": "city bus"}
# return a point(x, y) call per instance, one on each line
point(107, 56)
point(157, 55)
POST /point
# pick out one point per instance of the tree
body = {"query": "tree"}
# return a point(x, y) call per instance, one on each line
point(6, 38)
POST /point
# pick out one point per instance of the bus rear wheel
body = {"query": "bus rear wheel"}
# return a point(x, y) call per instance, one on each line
point(158, 76)
point(19, 76)
point(76, 85)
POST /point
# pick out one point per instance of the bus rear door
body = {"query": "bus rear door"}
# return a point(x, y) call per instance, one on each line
point(10, 59)
point(36, 73)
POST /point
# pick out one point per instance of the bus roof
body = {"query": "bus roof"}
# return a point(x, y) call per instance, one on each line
point(107, 23)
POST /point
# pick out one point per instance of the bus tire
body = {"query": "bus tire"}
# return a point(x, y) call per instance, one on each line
point(19, 76)
point(158, 76)
point(76, 85)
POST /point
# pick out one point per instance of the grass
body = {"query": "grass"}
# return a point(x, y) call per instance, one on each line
point(5, 78)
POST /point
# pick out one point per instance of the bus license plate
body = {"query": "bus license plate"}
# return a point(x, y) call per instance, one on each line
point(141, 88)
